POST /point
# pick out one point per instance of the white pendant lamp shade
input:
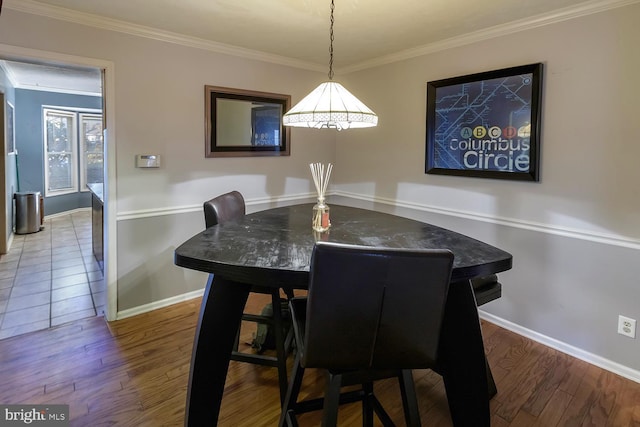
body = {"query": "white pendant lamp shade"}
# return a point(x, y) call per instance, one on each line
point(330, 105)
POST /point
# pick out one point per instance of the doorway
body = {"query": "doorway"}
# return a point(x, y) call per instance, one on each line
point(105, 73)
point(6, 135)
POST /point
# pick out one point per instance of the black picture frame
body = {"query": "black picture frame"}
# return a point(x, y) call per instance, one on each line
point(486, 125)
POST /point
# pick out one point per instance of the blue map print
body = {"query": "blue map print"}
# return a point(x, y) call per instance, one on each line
point(484, 125)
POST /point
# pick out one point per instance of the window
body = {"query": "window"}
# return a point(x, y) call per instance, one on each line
point(91, 169)
point(60, 152)
point(73, 151)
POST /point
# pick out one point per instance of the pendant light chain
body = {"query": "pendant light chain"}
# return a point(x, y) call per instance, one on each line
point(331, 44)
point(330, 105)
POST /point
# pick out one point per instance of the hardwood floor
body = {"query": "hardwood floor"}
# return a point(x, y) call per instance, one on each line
point(134, 372)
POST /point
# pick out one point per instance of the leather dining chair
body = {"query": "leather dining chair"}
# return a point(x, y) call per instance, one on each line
point(370, 313)
point(229, 207)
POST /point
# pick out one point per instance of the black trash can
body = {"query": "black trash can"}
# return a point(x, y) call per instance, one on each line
point(27, 212)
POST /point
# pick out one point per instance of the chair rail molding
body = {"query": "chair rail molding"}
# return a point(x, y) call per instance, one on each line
point(588, 235)
point(177, 210)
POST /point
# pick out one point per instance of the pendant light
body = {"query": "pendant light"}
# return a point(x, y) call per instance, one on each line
point(330, 105)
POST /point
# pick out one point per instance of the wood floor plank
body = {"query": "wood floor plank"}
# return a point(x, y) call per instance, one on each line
point(606, 403)
point(523, 419)
point(554, 367)
point(628, 411)
point(552, 412)
point(524, 379)
point(577, 412)
point(134, 372)
point(574, 374)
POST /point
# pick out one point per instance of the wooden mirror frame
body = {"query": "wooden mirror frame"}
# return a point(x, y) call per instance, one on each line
point(213, 147)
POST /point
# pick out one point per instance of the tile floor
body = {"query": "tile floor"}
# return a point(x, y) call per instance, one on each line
point(50, 277)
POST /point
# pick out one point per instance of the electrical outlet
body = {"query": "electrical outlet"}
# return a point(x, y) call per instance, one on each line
point(627, 326)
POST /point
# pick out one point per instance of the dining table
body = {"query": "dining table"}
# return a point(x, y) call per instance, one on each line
point(273, 248)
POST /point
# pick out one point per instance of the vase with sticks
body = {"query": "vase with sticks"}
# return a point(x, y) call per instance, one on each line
point(321, 175)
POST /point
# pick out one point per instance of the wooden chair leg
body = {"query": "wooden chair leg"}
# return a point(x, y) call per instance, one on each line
point(367, 406)
point(289, 293)
point(236, 344)
point(291, 419)
point(331, 400)
point(409, 399)
point(379, 410)
point(281, 353)
point(289, 338)
point(287, 416)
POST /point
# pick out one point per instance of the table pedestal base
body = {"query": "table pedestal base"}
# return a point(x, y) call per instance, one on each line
point(461, 359)
point(222, 306)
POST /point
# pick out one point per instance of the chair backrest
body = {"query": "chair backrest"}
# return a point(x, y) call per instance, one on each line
point(226, 207)
point(374, 308)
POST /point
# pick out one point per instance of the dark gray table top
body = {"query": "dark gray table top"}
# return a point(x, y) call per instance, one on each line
point(274, 246)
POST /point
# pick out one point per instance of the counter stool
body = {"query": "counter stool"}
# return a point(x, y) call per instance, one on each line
point(371, 313)
point(230, 207)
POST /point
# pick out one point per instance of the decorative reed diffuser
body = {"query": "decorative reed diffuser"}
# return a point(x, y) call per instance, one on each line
point(320, 221)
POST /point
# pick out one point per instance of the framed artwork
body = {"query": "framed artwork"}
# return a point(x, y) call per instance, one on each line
point(486, 124)
point(11, 125)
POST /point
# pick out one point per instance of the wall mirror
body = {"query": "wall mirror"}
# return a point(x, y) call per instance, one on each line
point(245, 123)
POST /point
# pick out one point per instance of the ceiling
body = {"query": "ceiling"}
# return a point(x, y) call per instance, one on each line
point(365, 31)
point(54, 77)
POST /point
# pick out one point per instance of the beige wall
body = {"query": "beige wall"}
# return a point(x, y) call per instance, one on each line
point(589, 170)
point(574, 236)
point(158, 91)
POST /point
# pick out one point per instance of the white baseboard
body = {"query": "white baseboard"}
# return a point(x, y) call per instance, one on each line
point(70, 212)
point(594, 359)
point(159, 304)
point(10, 241)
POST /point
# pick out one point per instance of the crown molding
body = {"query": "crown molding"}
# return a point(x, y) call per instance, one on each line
point(19, 53)
point(564, 14)
point(55, 12)
point(560, 15)
point(57, 90)
point(7, 72)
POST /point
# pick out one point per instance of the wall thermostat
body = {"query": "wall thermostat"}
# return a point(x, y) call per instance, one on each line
point(147, 160)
